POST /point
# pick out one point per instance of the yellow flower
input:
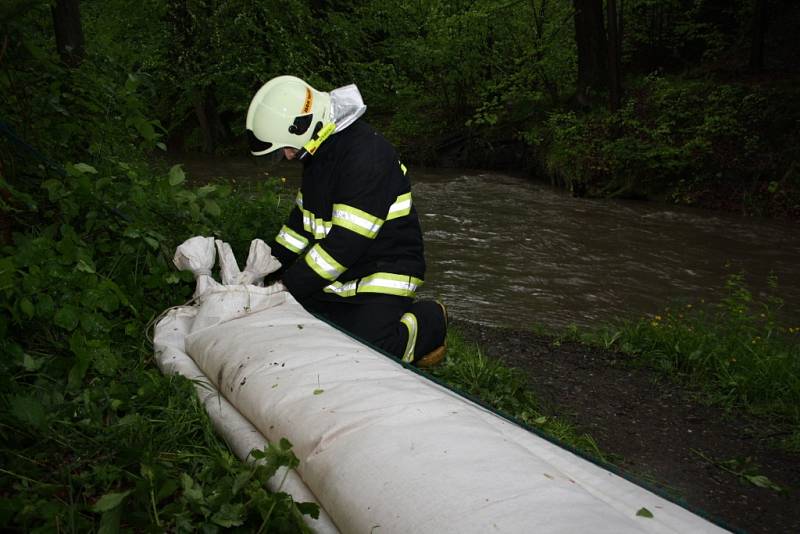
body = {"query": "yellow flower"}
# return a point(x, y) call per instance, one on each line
point(653, 323)
point(658, 317)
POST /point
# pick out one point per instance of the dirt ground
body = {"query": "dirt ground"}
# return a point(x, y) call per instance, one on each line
point(654, 429)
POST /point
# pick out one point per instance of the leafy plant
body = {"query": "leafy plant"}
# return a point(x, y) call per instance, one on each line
point(91, 435)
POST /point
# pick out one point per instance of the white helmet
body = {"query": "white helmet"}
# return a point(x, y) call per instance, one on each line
point(285, 112)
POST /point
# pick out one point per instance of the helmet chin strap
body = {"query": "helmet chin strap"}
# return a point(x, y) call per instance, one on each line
point(316, 140)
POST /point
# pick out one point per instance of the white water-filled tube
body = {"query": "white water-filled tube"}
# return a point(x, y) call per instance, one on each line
point(383, 449)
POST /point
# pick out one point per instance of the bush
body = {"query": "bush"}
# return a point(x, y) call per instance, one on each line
point(687, 140)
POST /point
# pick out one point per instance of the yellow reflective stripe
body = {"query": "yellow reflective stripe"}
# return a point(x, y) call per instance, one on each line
point(323, 263)
point(410, 321)
point(324, 133)
point(347, 289)
point(403, 167)
point(356, 220)
point(315, 226)
point(390, 284)
point(291, 240)
point(401, 207)
point(401, 285)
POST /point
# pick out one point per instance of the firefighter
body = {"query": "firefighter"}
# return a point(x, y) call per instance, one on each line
point(351, 249)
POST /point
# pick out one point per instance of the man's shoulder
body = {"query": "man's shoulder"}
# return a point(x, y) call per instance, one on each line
point(363, 137)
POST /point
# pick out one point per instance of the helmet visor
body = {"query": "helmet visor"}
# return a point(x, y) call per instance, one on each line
point(257, 146)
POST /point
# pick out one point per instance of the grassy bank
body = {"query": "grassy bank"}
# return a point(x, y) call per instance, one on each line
point(505, 389)
point(736, 351)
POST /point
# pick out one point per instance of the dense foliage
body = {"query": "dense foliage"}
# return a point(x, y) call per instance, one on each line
point(92, 436)
point(493, 83)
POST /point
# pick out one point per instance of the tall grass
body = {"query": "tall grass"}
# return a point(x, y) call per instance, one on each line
point(736, 350)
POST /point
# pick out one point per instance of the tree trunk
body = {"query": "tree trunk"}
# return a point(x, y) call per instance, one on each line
point(205, 107)
point(759, 30)
point(614, 82)
point(590, 36)
point(68, 30)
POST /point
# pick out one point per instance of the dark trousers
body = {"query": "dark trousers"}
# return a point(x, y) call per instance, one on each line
point(376, 318)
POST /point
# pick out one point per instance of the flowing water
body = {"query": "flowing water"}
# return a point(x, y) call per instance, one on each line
point(506, 251)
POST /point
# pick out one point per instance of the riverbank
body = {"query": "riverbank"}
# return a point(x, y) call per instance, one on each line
point(659, 432)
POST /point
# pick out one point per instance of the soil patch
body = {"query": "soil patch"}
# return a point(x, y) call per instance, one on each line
point(654, 429)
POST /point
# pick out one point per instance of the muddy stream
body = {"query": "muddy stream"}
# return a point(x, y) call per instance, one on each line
point(506, 251)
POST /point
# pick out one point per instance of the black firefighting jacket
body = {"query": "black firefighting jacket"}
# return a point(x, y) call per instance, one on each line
point(354, 229)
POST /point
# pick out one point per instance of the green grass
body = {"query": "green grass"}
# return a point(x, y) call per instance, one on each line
point(467, 369)
point(736, 351)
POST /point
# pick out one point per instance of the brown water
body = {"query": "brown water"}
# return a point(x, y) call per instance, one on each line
point(506, 251)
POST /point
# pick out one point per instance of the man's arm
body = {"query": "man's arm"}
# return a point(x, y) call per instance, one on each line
point(292, 239)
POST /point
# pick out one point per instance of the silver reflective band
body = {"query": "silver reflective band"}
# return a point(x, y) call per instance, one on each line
point(410, 320)
point(356, 220)
point(378, 283)
point(299, 200)
point(323, 264)
point(386, 283)
point(291, 240)
point(343, 290)
point(317, 227)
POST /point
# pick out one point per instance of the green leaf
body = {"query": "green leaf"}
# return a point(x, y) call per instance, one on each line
point(644, 512)
point(308, 508)
point(45, 305)
point(241, 480)
point(145, 128)
point(212, 208)
point(6, 272)
point(27, 307)
point(85, 168)
point(152, 242)
point(67, 317)
point(28, 410)
point(176, 175)
point(30, 363)
point(229, 515)
point(192, 492)
point(763, 482)
point(319, 391)
point(109, 501)
point(83, 358)
point(109, 522)
point(205, 190)
point(85, 267)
